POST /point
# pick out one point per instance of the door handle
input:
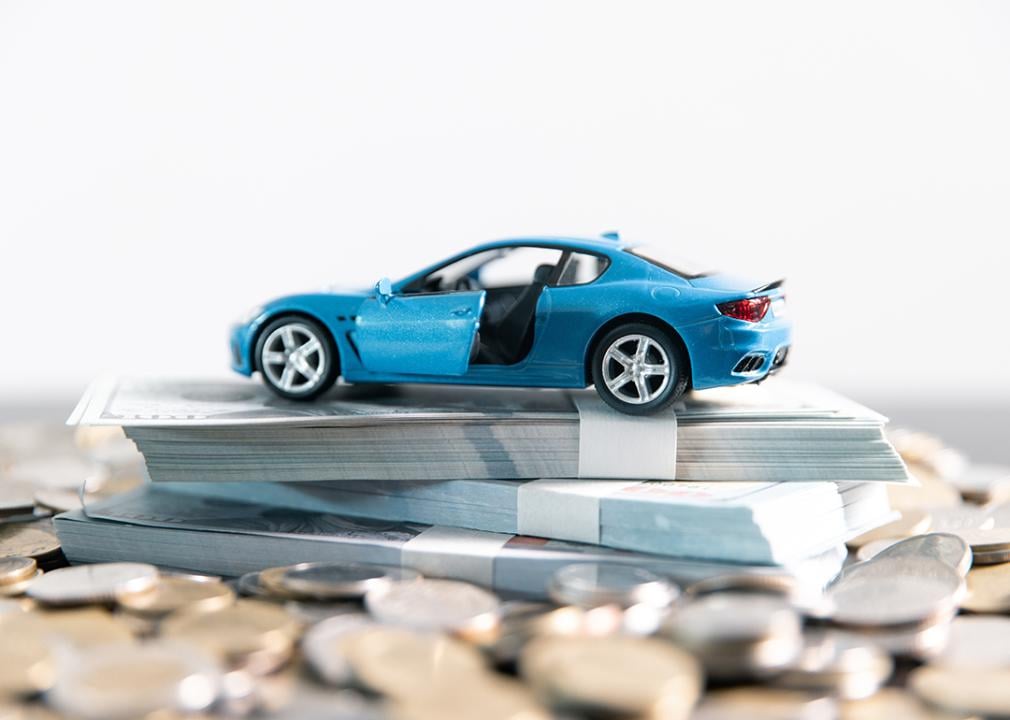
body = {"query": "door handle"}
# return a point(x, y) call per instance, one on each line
point(462, 312)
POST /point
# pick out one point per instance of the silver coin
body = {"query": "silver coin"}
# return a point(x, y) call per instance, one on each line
point(946, 547)
point(438, 605)
point(310, 612)
point(988, 546)
point(982, 483)
point(330, 580)
point(977, 641)
point(894, 591)
point(918, 642)
point(102, 582)
point(595, 584)
point(249, 584)
point(321, 645)
point(837, 665)
point(961, 517)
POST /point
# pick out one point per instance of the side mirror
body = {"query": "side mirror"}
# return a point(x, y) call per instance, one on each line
point(384, 290)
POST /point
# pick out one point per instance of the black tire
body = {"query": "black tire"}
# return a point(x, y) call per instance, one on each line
point(326, 362)
point(628, 401)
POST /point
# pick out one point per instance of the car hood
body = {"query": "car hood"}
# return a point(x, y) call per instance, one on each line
point(728, 283)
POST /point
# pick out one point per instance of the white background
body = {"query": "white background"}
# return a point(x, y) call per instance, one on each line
point(164, 166)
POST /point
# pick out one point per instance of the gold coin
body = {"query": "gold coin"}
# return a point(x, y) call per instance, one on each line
point(971, 691)
point(248, 634)
point(931, 492)
point(172, 594)
point(27, 664)
point(616, 675)
point(764, 703)
point(19, 588)
point(405, 664)
point(912, 522)
point(497, 697)
point(84, 628)
point(16, 569)
point(20, 541)
point(270, 580)
point(892, 704)
point(988, 589)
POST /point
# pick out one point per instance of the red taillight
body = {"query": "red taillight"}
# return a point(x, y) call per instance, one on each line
point(751, 309)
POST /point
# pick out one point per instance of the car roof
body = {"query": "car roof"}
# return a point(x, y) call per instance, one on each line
point(591, 244)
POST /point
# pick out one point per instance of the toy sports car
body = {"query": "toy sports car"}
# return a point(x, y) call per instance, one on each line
point(535, 312)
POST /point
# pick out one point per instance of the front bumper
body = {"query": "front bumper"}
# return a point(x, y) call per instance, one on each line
point(241, 355)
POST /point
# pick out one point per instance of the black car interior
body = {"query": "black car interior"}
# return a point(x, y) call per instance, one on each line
point(509, 315)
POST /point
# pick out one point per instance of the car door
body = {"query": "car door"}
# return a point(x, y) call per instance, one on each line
point(425, 334)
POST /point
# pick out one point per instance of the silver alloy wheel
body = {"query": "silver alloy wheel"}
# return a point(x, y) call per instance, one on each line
point(637, 362)
point(294, 358)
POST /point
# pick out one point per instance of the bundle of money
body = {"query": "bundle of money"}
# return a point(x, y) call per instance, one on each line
point(228, 431)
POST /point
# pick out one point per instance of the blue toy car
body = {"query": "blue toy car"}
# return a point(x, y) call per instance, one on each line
point(535, 312)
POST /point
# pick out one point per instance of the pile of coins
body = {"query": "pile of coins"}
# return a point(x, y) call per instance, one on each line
point(915, 626)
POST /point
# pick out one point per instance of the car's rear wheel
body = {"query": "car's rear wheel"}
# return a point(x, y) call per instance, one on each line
point(297, 358)
point(639, 369)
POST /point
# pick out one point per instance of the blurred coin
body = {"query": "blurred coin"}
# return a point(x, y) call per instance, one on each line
point(10, 607)
point(322, 646)
point(127, 682)
point(971, 690)
point(988, 547)
point(964, 517)
point(27, 662)
point(738, 635)
point(16, 497)
point(16, 570)
point(63, 499)
point(613, 675)
point(88, 437)
point(248, 634)
point(250, 585)
point(23, 541)
point(912, 522)
point(84, 628)
point(894, 591)
point(977, 641)
point(595, 584)
point(440, 605)
point(783, 585)
point(892, 704)
point(66, 471)
point(836, 665)
point(918, 642)
point(497, 697)
point(988, 589)
point(170, 594)
point(402, 663)
point(983, 483)
point(310, 612)
point(930, 493)
point(329, 580)
point(98, 583)
point(764, 703)
point(946, 547)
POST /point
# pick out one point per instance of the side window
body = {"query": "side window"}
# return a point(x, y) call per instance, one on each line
point(519, 266)
point(582, 268)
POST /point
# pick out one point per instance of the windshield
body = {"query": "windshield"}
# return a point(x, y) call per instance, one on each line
point(662, 257)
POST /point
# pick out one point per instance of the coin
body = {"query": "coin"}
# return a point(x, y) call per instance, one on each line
point(977, 641)
point(946, 547)
point(912, 522)
point(892, 704)
point(595, 584)
point(764, 703)
point(249, 584)
point(837, 665)
point(437, 605)
point(21, 541)
point(988, 589)
point(123, 682)
point(170, 594)
point(963, 517)
point(27, 662)
point(613, 675)
point(918, 642)
point(310, 612)
point(402, 663)
point(930, 493)
point(738, 635)
point(497, 698)
point(982, 483)
point(14, 570)
point(971, 690)
point(322, 646)
point(894, 591)
point(98, 583)
point(82, 628)
point(63, 499)
point(988, 547)
point(328, 580)
point(248, 634)
point(17, 497)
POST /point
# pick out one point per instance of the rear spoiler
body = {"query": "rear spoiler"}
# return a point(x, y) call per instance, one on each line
point(770, 286)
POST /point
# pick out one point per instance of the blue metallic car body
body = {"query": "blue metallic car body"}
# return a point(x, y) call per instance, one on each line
point(395, 339)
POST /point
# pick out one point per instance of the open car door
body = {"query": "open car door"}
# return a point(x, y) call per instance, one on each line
point(426, 334)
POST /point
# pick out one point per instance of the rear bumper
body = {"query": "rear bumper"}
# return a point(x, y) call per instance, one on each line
point(726, 351)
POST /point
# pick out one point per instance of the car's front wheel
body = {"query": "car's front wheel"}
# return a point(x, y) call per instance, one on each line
point(639, 369)
point(296, 358)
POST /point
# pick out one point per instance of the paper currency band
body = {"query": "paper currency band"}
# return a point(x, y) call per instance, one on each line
point(611, 442)
point(564, 509)
point(455, 553)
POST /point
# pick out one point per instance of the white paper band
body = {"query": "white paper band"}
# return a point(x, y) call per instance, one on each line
point(612, 444)
point(564, 509)
point(454, 552)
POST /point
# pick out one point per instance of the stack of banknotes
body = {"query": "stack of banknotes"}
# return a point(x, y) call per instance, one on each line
point(497, 487)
